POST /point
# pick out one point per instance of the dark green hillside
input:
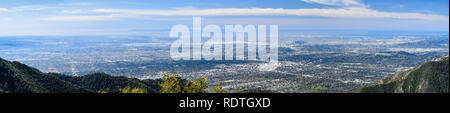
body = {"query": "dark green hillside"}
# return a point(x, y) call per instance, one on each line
point(430, 77)
point(98, 81)
point(19, 78)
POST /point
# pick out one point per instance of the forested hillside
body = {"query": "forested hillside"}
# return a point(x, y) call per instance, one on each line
point(16, 77)
point(430, 77)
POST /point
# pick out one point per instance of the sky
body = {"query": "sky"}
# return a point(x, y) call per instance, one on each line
point(156, 17)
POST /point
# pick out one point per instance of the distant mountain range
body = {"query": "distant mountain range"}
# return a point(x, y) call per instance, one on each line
point(16, 77)
point(429, 77)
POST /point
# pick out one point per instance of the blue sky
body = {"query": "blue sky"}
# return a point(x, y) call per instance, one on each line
point(155, 17)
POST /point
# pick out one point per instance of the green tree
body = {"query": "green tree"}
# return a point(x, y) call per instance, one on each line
point(316, 87)
point(103, 90)
point(170, 83)
point(218, 89)
point(128, 89)
point(196, 86)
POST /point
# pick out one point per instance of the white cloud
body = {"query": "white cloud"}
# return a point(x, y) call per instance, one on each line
point(3, 9)
point(349, 9)
point(336, 2)
point(88, 18)
point(31, 8)
point(352, 12)
point(76, 4)
point(71, 11)
point(47, 7)
point(7, 19)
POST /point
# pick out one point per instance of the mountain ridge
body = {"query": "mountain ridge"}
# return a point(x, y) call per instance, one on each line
point(429, 77)
point(16, 77)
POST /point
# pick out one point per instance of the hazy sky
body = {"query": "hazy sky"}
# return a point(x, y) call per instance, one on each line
point(148, 17)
